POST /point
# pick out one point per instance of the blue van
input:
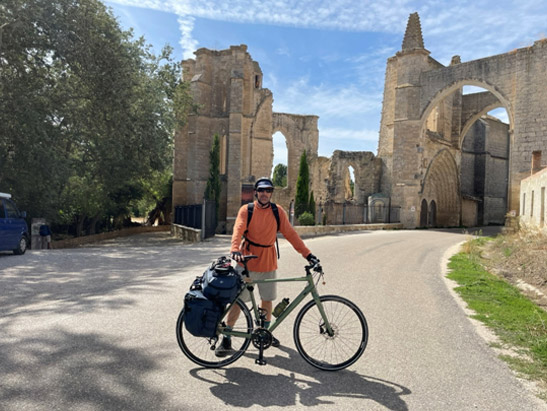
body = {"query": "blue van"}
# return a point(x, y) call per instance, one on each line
point(14, 235)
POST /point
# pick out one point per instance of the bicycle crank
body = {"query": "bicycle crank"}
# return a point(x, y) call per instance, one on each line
point(262, 339)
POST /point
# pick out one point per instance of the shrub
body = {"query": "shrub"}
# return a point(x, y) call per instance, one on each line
point(306, 218)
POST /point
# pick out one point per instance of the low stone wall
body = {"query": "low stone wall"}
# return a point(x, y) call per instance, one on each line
point(186, 233)
point(194, 235)
point(88, 239)
point(318, 230)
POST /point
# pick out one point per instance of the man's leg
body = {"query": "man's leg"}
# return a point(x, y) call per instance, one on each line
point(233, 315)
point(225, 347)
point(267, 305)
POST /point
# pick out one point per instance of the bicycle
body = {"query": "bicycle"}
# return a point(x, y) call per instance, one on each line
point(330, 332)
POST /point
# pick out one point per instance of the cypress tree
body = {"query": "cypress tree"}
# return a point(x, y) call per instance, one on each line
point(212, 191)
point(311, 207)
point(301, 202)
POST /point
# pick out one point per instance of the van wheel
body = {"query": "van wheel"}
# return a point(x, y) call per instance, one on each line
point(22, 247)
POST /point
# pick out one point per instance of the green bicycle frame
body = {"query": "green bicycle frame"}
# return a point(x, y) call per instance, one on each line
point(310, 288)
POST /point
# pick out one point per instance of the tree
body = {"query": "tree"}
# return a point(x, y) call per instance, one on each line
point(301, 202)
point(279, 177)
point(87, 114)
point(311, 206)
point(212, 190)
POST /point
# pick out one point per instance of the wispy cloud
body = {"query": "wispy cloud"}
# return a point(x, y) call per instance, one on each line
point(469, 28)
point(187, 42)
point(344, 113)
point(349, 114)
point(303, 98)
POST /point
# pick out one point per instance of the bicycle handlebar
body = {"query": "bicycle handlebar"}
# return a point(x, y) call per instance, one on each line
point(314, 266)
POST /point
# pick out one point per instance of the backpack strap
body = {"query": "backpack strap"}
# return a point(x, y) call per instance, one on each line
point(276, 214)
point(250, 209)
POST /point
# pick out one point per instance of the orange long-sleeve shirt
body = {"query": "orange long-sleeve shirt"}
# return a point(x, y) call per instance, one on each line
point(263, 230)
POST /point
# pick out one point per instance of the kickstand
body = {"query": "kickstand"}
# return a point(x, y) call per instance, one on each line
point(260, 360)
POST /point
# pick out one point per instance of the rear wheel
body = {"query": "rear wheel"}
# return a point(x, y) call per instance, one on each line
point(22, 246)
point(347, 342)
point(201, 350)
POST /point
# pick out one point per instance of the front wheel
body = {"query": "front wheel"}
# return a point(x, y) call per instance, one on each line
point(21, 246)
point(336, 351)
point(201, 350)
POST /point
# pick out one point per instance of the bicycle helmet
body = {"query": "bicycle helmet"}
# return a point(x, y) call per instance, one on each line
point(263, 182)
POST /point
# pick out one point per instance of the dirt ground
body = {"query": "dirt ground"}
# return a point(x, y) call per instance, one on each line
point(520, 258)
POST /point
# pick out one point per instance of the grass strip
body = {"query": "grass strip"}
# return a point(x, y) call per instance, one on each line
point(517, 321)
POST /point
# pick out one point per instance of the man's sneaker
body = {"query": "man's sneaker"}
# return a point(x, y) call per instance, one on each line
point(275, 342)
point(225, 348)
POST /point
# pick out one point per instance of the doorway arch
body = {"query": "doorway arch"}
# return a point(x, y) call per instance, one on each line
point(441, 182)
point(423, 213)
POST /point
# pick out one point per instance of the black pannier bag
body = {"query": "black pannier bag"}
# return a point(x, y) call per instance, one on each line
point(201, 315)
point(221, 282)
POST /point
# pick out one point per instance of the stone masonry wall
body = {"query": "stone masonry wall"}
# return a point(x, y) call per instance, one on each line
point(533, 212)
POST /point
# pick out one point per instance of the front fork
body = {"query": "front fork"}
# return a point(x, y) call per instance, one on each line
point(326, 323)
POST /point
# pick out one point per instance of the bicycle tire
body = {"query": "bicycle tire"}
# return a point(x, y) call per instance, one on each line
point(201, 351)
point(331, 353)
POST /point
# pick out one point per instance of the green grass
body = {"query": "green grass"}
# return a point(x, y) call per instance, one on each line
point(517, 321)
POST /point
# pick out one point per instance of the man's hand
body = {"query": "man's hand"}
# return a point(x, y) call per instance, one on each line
point(312, 259)
point(236, 255)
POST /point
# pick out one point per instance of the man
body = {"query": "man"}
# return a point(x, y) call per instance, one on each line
point(45, 237)
point(259, 238)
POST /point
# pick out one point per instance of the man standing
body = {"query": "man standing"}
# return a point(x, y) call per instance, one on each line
point(259, 238)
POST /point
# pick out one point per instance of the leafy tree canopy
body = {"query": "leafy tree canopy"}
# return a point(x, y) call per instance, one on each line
point(279, 177)
point(87, 113)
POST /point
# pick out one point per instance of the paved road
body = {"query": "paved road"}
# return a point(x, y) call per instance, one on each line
point(93, 329)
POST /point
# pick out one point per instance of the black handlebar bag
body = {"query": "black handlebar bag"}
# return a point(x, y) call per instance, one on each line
point(221, 282)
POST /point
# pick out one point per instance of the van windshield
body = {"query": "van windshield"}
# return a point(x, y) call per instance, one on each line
point(11, 210)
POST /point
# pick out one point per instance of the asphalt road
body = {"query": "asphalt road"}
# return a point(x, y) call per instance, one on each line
point(94, 329)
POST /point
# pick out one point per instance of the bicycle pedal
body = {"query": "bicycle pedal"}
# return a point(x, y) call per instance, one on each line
point(261, 361)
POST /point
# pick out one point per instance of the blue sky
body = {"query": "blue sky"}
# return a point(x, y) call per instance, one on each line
point(328, 58)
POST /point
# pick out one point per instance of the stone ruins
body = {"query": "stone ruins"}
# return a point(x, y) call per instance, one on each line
point(442, 161)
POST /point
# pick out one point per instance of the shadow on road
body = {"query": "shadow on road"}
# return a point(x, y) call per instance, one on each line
point(75, 371)
point(75, 280)
point(245, 388)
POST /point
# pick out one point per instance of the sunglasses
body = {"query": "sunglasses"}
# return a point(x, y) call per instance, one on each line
point(268, 190)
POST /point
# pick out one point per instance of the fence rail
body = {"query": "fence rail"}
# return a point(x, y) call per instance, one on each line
point(347, 213)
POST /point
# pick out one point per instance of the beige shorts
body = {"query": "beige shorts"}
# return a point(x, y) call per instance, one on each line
point(267, 291)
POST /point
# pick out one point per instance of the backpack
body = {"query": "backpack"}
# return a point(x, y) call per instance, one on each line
point(250, 209)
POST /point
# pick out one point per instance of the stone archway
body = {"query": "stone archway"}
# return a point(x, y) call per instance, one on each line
point(420, 93)
point(441, 183)
point(301, 134)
